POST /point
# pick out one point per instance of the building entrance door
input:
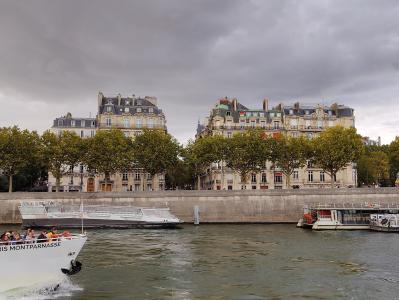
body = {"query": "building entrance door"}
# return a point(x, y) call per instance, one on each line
point(90, 185)
point(106, 187)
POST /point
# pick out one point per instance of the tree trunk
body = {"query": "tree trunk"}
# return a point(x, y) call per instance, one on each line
point(288, 181)
point(10, 184)
point(222, 179)
point(153, 182)
point(57, 184)
point(198, 182)
point(332, 179)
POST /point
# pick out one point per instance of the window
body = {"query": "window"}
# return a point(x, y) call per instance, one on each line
point(109, 108)
point(228, 113)
point(108, 122)
point(253, 178)
point(126, 123)
point(81, 133)
point(92, 133)
point(138, 102)
point(264, 178)
point(126, 109)
point(73, 123)
point(294, 123)
point(307, 124)
point(149, 187)
point(261, 115)
point(291, 111)
point(330, 112)
point(81, 169)
point(93, 123)
point(151, 110)
point(138, 123)
point(319, 124)
point(278, 178)
point(139, 109)
point(263, 124)
point(306, 112)
point(149, 177)
point(271, 115)
point(322, 176)
point(310, 176)
point(127, 102)
point(124, 176)
point(137, 187)
point(295, 175)
point(150, 123)
point(254, 187)
point(60, 123)
point(253, 124)
point(276, 124)
point(82, 123)
point(229, 134)
point(137, 176)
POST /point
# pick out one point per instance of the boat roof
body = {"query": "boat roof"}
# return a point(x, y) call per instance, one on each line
point(352, 206)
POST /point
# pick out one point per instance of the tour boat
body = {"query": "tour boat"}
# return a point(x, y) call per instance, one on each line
point(384, 222)
point(39, 263)
point(339, 216)
point(50, 214)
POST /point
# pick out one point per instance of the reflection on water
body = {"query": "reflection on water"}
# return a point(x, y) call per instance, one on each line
point(237, 262)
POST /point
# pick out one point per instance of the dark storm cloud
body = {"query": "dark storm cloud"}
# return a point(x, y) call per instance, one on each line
point(56, 55)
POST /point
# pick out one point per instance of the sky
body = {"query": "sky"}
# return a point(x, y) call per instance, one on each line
point(55, 56)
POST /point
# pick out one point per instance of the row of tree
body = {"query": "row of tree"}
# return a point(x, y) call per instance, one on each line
point(106, 153)
point(247, 153)
point(28, 156)
point(379, 165)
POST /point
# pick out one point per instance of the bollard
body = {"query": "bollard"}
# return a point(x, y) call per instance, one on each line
point(196, 215)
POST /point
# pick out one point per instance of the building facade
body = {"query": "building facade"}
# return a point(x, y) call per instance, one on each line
point(229, 117)
point(129, 114)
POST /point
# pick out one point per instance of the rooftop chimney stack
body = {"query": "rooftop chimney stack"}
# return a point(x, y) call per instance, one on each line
point(119, 99)
point(100, 98)
point(235, 104)
point(265, 104)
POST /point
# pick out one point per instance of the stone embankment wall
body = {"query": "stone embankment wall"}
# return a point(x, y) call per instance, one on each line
point(258, 206)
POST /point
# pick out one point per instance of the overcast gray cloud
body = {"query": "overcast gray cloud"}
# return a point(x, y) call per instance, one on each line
point(56, 55)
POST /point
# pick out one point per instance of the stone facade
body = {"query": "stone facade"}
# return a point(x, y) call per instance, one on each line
point(129, 114)
point(229, 117)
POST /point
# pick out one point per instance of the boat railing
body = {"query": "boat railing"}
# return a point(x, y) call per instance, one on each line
point(354, 206)
point(40, 241)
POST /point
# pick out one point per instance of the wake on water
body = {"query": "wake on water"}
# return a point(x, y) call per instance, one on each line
point(62, 289)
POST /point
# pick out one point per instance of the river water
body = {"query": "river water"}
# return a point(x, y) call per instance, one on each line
point(234, 262)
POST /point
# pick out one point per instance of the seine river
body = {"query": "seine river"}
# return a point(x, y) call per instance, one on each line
point(235, 262)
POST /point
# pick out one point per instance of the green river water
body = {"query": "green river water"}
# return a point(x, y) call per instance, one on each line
point(234, 262)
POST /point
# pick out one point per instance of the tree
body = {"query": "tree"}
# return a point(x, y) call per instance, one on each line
point(108, 152)
point(373, 167)
point(291, 153)
point(335, 148)
point(179, 176)
point(394, 159)
point(155, 151)
point(17, 149)
point(247, 152)
point(61, 153)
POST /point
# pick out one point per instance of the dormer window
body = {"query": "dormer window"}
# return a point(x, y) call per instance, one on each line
point(139, 110)
point(127, 102)
point(150, 110)
point(291, 111)
point(73, 123)
point(306, 112)
point(109, 108)
point(60, 123)
point(330, 112)
point(126, 109)
point(139, 102)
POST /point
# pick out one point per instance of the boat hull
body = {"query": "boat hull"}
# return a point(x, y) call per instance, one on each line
point(36, 264)
point(384, 228)
point(94, 223)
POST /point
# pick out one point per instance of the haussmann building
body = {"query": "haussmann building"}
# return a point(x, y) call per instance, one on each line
point(229, 117)
point(129, 114)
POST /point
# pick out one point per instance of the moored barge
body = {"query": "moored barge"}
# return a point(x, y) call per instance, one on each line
point(343, 216)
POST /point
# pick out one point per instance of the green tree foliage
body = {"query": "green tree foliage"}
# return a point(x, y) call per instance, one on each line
point(335, 148)
point(247, 152)
point(61, 153)
point(155, 151)
point(18, 150)
point(393, 154)
point(179, 176)
point(373, 168)
point(108, 152)
point(291, 153)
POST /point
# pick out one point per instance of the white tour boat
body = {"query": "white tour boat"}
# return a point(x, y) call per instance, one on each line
point(384, 222)
point(39, 263)
point(50, 214)
point(346, 216)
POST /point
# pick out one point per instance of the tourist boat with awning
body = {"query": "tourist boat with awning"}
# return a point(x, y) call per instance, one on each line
point(346, 216)
point(39, 263)
point(51, 214)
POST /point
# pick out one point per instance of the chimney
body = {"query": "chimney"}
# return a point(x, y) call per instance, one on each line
point(100, 98)
point(265, 104)
point(296, 106)
point(119, 99)
point(235, 104)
